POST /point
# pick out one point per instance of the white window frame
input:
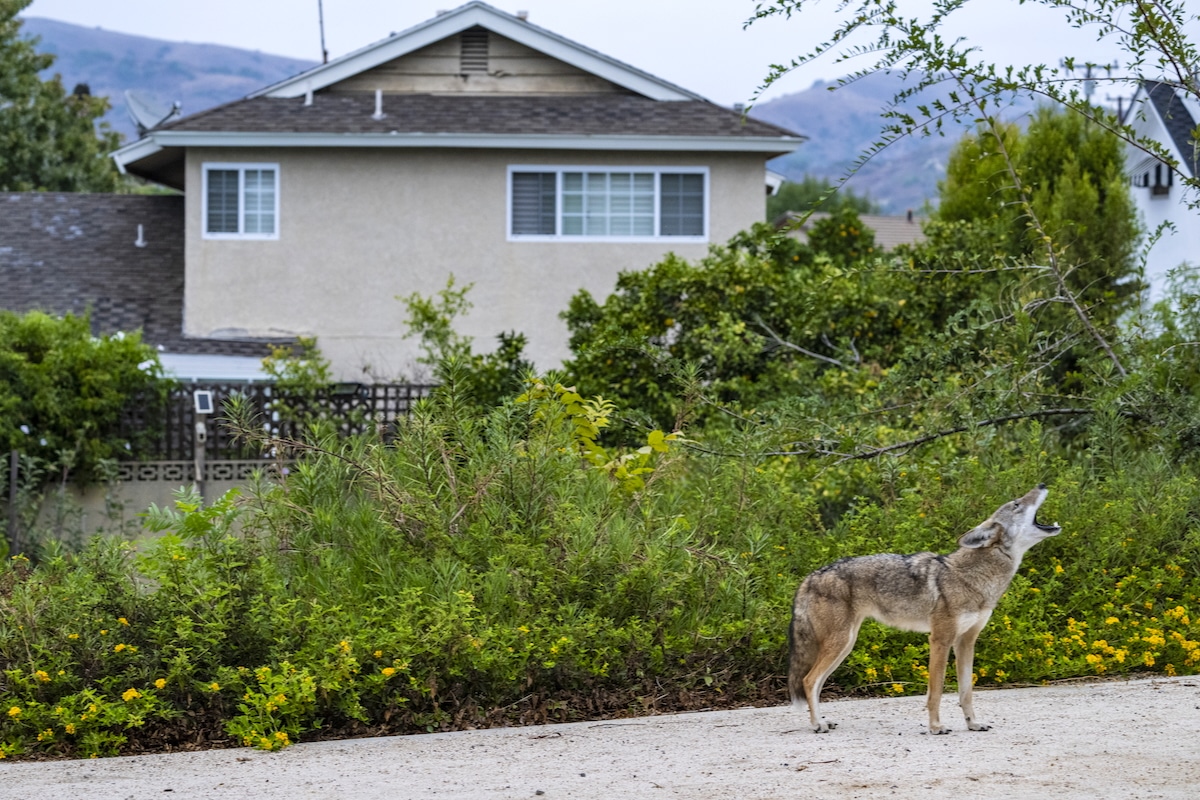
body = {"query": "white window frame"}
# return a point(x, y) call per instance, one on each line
point(241, 167)
point(559, 169)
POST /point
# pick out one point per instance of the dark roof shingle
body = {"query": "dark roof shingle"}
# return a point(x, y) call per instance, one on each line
point(565, 115)
point(68, 253)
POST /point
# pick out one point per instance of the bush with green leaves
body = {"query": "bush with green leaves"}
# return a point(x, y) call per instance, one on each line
point(63, 390)
point(760, 317)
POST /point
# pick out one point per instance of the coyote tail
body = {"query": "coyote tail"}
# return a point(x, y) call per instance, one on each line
point(802, 648)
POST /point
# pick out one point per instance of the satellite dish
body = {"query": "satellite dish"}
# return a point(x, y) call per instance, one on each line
point(148, 114)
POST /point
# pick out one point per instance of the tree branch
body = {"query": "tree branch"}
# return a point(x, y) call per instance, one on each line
point(818, 448)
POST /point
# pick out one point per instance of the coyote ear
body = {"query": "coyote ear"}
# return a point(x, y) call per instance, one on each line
point(985, 535)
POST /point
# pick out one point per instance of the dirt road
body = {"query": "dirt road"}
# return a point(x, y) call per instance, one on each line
point(1136, 739)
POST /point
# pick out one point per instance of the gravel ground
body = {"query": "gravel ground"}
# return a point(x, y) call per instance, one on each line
point(1118, 739)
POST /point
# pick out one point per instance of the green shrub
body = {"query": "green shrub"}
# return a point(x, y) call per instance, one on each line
point(62, 390)
point(489, 568)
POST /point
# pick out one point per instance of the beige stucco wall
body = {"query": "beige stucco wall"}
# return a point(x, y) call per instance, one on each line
point(357, 227)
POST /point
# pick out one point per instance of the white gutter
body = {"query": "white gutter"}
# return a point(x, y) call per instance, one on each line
point(135, 151)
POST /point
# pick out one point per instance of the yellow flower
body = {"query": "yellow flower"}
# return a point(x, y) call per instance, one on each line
point(14, 712)
point(160, 683)
point(72, 635)
point(45, 735)
point(388, 672)
point(42, 676)
point(379, 654)
point(70, 728)
point(1111, 621)
point(118, 648)
point(897, 688)
point(123, 621)
point(216, 687)
point(344, 646)
point(130, 694)
point(103, 632)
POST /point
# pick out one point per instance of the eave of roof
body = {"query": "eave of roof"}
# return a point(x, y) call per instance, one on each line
point(468, 16)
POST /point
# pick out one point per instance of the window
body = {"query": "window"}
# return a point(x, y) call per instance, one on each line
point(625, 203)
point(241, 201)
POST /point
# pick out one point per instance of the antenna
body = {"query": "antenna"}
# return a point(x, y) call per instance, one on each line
point(321, 24)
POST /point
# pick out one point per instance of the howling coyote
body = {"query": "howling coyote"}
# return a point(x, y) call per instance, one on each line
point(949, 596)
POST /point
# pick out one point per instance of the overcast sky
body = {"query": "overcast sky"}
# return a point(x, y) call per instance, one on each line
point(698, 44)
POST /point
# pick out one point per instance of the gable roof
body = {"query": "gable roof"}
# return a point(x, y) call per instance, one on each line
point(73, 253)
point(468, 16)
point(643, 113)
point(1177, 121)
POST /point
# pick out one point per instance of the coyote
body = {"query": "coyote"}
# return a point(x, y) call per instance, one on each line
point(950, 596)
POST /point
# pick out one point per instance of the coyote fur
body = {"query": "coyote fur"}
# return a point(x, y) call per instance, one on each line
point(949, 596)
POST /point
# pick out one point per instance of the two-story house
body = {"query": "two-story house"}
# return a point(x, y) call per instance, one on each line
point(475, 144)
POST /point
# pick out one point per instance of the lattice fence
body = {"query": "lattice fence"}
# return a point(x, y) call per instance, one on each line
point(165, 431)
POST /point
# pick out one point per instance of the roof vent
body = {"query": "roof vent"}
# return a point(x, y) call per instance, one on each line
point(474, 56)
point(523, 16)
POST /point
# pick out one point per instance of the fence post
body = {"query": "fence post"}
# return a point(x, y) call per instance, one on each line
point(14, 535)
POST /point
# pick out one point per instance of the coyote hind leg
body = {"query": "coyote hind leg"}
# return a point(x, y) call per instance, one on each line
point(832, 650)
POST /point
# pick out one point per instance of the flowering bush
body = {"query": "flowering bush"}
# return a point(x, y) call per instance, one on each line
point(484, 569)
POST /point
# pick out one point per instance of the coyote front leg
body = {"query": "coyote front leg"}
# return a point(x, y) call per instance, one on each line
point(964, 662)
point(940, 637)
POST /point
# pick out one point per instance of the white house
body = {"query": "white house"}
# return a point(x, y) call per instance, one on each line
point(1171, 117)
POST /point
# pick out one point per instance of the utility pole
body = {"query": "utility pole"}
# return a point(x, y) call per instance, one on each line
point(1090, 73)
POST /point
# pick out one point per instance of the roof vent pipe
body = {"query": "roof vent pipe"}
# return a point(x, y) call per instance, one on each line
point(523, 16)
point(378, 105)
point(141, 241)
point(308, 93)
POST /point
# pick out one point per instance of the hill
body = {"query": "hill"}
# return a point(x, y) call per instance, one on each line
point(843, 122)
point(198, 75)
point(840, 124)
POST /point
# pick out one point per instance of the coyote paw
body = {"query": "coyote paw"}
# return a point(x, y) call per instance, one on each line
point(939, 731)
point(978, 726)
point(824, 727)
